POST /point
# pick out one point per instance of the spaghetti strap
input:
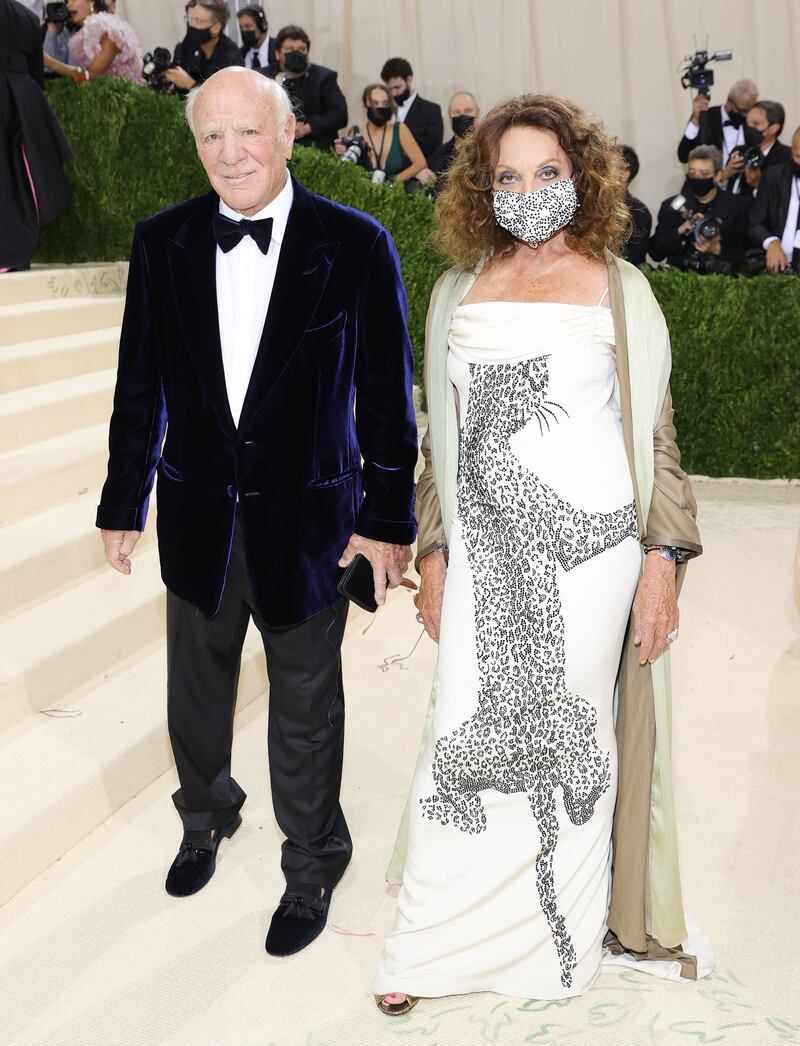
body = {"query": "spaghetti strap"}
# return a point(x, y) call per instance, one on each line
point(605, 292)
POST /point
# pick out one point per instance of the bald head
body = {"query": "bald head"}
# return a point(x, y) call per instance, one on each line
point(243, 128)
point(463, 103)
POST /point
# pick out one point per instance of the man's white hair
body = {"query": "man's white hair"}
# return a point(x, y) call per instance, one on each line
point(281, 104)
point(742, 87)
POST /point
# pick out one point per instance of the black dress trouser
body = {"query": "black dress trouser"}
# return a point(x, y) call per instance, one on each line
point(305, 737)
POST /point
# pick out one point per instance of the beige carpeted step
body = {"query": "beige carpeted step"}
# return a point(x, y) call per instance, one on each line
point(42, 553)
point(53, 319)
point(49, 649)
point(45, 282)
point(44, 360)
point(64, 773)
point(39, 476)
point(60, 407)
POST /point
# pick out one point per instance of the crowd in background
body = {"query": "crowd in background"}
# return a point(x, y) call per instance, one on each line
point(738, 210)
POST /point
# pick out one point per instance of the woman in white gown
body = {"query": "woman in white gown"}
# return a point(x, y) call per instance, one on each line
point(507, 879)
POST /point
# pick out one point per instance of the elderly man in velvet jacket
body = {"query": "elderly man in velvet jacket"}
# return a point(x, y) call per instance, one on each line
point(265, 333)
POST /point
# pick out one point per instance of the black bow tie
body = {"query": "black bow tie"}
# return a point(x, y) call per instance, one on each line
point(229, 233)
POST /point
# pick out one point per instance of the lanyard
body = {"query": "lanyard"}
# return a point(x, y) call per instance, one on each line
point(378, 155)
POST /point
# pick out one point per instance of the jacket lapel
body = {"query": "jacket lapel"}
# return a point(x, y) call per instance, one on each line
point(193, 263)
point(303, 269)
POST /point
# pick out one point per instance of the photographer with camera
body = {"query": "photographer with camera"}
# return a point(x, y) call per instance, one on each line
point(775, 215)
point(59, 31)
point(205, 49)
point(382, 145)
point(765, 122)
point(102, 44)
point(723, 126)
point(318, 101)
point(423, 118)
point(702, 229)
point(258, 47)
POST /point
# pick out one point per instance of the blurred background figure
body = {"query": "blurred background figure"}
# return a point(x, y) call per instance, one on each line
point(775, 215)
point(463, 112)
point(635, 250)
point(765, 122)
point(99, 44)
point(314, 90)
point(205, 48)
point(258, 47)
point(386, 147)
point(423, 118)
point(725, 127)
point(33, 149)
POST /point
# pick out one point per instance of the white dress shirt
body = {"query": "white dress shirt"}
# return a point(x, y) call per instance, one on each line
point(402, 110)
point(731, 136)
point(245, 278)
point(791, 234)
point(262, 52)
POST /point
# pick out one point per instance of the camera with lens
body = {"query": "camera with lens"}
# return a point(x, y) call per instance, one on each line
point(57, 13)
point(355, 147)
point(154, 65)
point(753, 157)
point(695, 74)
point(706, 227)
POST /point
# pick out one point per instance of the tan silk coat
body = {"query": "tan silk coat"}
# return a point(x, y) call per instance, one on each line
point(646, 913)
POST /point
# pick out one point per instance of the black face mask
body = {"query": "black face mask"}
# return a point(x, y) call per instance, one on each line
point(401, 99)
point(379, 115)
point(295, 62)
point(462, 124)
point(249, 38)
point(698, 187)
point(752, 136)
point(736, 119)
point(197, 37)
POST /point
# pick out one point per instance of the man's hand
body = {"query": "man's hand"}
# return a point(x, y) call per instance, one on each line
point(733, 167)
point(700, 104)
point(713, 246)
point(428, 601)
point(119, 546)
point(301, 130)
point(776, 259)
point(655, 608)
point(179, 77)
point(385, 559)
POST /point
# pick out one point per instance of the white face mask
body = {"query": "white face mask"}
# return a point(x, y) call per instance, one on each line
point(536, 216)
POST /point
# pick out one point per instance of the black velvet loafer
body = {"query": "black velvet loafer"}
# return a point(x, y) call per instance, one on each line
point(197, 859)
point(298, 920)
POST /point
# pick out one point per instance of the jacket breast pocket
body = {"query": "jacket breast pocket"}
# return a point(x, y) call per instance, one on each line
point(326, 332)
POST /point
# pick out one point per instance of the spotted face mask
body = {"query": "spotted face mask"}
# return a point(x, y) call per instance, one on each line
point(536, 216)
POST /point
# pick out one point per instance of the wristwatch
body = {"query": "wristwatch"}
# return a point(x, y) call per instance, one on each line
point(668, 552)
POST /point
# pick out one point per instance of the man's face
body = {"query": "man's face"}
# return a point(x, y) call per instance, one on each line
point(463, 105)
point(397, 84)
point(741, 104)
point(247, 24)
point(703, 169)
point(201, 18)
point(239, 141)
point(289, 45)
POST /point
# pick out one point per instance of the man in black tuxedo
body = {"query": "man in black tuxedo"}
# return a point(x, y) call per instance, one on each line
point(256, 316)
point(205, 49)
point(765, 121)
point(463, 111)
point(258, 47)
point(775, 215)
point(723, 126)
point(422, 118)
point(314, 90)
point(673, 238)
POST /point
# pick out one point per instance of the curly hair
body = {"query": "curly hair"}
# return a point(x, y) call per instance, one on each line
point(466, 225)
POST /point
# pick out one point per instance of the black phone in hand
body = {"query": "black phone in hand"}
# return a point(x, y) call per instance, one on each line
point(358, 584)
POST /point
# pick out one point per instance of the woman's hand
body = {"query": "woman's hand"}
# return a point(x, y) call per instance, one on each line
point(428, 601)
point(655, 608)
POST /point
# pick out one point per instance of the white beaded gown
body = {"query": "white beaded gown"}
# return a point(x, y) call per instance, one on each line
point(507, 877)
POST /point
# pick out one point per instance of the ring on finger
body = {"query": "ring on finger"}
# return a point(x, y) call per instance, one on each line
point(419, 619)
point(672, 636)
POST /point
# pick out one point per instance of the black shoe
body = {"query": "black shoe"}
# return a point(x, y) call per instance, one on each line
point(197, 859)
point(298, 920)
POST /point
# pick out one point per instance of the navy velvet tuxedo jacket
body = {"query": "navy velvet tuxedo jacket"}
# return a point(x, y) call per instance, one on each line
point(331, 384)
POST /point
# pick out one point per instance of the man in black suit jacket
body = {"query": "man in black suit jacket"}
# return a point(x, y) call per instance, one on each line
point(205, 49)
point(672, 238)
point(635, 250)
point(249, 341)
point(318, 100)
point(258, 47)
point(422, 118)
point(775, 215)
point(765, 120)
point(463, 111)
point(722, 126)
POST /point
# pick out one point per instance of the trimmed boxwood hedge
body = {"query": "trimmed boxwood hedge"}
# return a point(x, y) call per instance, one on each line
point(735, 342)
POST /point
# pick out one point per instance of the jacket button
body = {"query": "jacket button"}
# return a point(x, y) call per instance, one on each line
point(230, 490)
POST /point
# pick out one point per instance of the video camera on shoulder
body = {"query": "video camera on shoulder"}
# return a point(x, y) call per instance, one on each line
point(695, 74)
point(154, 65)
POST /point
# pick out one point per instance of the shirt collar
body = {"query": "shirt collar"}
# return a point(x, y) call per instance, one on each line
point(408, 103)
point(278, 210)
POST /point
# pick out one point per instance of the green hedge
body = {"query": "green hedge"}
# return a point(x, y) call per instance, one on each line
point(736, 342)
